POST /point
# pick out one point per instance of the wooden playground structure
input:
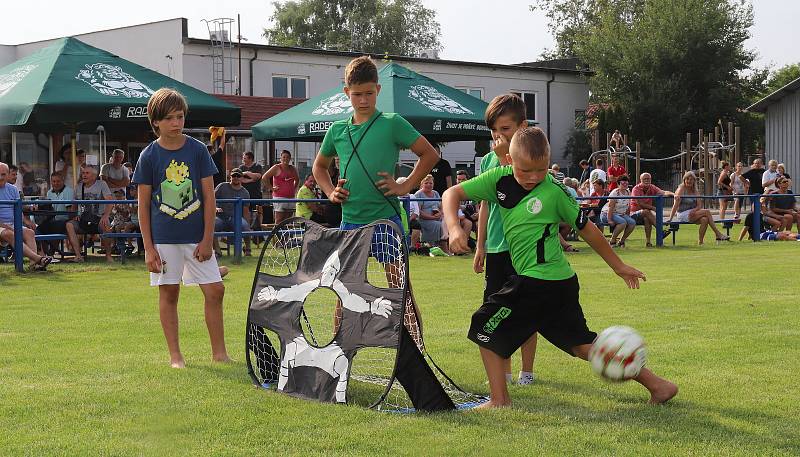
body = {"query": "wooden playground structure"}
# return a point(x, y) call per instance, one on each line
point(702, 157)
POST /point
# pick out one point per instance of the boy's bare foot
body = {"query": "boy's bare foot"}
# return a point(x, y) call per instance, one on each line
point(221, 358)
point(177, 363)
point(490, 405)
point(663, 393)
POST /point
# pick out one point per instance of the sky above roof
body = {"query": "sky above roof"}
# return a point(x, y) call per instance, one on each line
point(472, 30)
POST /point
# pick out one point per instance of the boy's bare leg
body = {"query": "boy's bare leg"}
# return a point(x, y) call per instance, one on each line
point(213, 294)
point(507, 368)
point(495, 370)
point(168, 311)
point(529, 353)
point(661, 390)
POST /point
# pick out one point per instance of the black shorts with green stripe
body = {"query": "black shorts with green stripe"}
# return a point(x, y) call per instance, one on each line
point(527, 305)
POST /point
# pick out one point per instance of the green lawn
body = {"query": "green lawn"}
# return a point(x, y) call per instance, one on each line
point(83, 367)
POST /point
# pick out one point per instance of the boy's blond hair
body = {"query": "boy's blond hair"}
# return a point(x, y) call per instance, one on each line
point(532, 143)
point(505, 105)
point(163, 102)
point(360, 70)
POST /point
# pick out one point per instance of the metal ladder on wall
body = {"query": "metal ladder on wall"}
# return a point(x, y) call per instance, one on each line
point(222, 73)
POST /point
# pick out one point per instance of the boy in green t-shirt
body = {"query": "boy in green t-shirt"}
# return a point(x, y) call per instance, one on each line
point(543, 297)
point(504, 116)
point(368, 145)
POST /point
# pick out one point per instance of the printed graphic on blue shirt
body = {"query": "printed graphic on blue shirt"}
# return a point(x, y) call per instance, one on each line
point(176, 204)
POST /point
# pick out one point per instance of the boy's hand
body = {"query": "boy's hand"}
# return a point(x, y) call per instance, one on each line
point(630, 275)
point(458, 241)
point(203, 250)
point(478, 260)
point(152, 260)
point(388, 185)
point(339, 194)
point(501, 145)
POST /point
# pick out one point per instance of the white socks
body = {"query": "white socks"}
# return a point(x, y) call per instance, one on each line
point(525, 378)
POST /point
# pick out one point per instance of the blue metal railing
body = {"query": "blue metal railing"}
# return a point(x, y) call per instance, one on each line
point(238, 234)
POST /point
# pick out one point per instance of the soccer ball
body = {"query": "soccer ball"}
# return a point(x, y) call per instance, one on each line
point(618, 354)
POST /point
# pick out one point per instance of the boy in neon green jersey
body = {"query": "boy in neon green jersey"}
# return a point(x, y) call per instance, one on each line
point(543, 297)
point(504, 116)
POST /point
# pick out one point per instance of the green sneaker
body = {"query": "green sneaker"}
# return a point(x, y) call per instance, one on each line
point(436, 251)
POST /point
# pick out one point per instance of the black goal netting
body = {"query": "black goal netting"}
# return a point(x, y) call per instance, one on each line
point(332, 318)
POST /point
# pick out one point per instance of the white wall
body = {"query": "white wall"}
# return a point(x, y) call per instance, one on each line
point(568, 92)
point(149, 44)
point(783, 135)
point(8, 54)
point(145, 44)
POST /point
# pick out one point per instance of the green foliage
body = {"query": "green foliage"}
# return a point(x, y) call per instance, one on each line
point(399, 27)
point(568, 20)
point(671, 66)
point(84, 367)
point(780, 78)
point(579, 145)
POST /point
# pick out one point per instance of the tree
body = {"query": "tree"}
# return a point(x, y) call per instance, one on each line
point(780, 78)
point(570, 19)
point(399, 27)
point(670, 66)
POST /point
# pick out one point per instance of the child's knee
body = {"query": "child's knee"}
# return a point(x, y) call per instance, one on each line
point(214, 292)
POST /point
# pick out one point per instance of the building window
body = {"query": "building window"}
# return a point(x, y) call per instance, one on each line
point(476, 92)
point(530, 103)
point(290, 86)
point(280, 87)
point(299, 88)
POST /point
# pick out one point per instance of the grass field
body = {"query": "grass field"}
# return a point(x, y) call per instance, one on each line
point(83, 367)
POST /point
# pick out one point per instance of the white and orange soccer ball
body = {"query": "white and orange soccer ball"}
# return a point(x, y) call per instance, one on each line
point(618, 354)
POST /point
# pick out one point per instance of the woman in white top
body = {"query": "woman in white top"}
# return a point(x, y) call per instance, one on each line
point(688, 207)
point(620, 219)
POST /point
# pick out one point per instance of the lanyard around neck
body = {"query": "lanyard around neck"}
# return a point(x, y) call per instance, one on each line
point(358, 143)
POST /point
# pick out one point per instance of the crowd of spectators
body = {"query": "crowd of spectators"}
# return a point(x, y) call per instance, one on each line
point(281, 181)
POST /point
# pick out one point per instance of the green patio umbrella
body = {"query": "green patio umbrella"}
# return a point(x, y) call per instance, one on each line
point(76, 86)
point(438, 111)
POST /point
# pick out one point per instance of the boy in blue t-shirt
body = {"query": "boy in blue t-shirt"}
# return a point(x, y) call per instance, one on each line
point(176, 217)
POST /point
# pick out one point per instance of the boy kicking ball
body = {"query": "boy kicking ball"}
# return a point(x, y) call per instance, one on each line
point(543, 297)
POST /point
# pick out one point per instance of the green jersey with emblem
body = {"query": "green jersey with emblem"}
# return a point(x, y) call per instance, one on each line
point(384, 135)
point(495, 240)
point(530, 220)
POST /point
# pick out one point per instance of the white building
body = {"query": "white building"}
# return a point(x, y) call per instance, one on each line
point(781, 111)
point(555, 91)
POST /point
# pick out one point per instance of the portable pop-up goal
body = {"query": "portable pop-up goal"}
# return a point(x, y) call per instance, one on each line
point(332, 318)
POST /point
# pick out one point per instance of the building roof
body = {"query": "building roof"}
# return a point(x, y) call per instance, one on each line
point(256, 109)
point(572, 63)
point(762, 105)
point(532, 66)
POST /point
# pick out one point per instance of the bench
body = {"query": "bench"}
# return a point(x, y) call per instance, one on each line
point(674, 226)
point(727, 224)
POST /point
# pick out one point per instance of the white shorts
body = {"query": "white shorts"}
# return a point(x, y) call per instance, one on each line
point(282, 206)
point(3, 243)
point(179, 264)
point(683, 216)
